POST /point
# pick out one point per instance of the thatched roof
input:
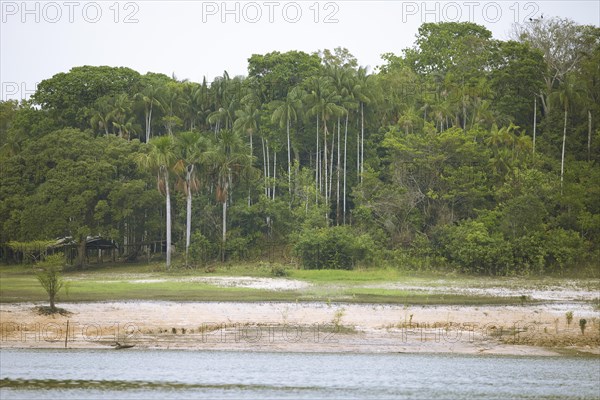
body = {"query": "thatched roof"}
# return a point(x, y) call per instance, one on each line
point(91, 242)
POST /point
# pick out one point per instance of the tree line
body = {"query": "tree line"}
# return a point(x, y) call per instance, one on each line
point(463, 151)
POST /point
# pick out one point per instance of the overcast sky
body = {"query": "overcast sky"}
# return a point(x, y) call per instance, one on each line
point(193, 39)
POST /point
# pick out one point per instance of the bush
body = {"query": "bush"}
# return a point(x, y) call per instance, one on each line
point(564, 248)
point(475, 248)
point(529, 253)
point(279, 271)
point(237, 247)
point(201, 249)
point(471, 246)
point(333, 248)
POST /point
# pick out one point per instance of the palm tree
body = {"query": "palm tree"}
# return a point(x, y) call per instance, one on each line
point(226, 95)
point(568, 93)
point(126, 127)
point(323, 103)
point(228, 159)
point(462, 94)
point(161, 159)
point(247, 120)
point(483, 113)
point(288, 110)
point(442, 110)
point(349, 102)
point(192, 98)
point(149, 96)
point(345, 82)
point(101, 114)
point(171, 102)
point(408, 119)
point(227, 101)
point(190, 150)
point(204, 106)
point(534, 122)
point(121, 114)
point(363, 93)
point(427, 99)
point(506, 146)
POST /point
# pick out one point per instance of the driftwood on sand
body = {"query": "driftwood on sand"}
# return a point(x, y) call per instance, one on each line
point(119, 346)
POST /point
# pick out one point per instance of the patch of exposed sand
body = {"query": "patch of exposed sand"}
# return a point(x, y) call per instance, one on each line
point(275, 284)
point(549, 293)
point(302, 327)
point(254, 283)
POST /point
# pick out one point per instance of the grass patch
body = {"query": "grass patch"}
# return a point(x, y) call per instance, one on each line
point(334, 275)
point(168, 290)
point(23, 289)
point(149, 281)
point(361, 295)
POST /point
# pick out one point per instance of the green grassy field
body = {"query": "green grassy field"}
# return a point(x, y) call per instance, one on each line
point(150, 282)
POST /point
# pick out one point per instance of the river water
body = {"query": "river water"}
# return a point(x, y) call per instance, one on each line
point(174, 374)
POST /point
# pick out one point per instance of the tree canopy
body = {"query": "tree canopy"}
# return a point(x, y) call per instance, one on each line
point(463, 152)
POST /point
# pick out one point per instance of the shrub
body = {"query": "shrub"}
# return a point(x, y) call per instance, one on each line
point(529, 253)
point(237, 247)
point(569, 316)
point(582, 324)
point(279, 271)
point(471, 246)
point(564, 248)
point(201, 249)
point(333, 248)
point(478, 248)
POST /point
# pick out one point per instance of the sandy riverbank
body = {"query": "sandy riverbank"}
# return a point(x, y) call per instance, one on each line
point(539, 329)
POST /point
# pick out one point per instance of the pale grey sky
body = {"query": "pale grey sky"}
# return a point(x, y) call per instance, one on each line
point(193, 39)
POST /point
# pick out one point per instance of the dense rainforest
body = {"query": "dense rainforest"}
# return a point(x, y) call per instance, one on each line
point(463, 152)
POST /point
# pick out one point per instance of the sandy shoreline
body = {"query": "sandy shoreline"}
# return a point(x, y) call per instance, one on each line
point(539, 329)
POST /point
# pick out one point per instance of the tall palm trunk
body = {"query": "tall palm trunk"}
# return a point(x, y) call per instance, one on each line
point(325, 158)
point(168, 212)
point(251, 158)
point(224, 237)
point(464, 110)
point(534, 122)
point(251, 146)
point(188, 227)
point(345, 170)
point(589, 143)
point(224, 197)
point(337, 191)
point(148, 124)
point(317, 168)
point(265, 167)
point(562, 158)
point(268, 170)
point(289, 157)
point(362, 140)
point(274, 171)
point(332, 152)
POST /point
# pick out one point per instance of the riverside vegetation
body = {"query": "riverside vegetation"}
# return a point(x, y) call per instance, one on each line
point(463, 153)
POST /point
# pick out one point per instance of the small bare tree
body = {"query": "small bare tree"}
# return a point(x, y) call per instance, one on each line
point(50, 277)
